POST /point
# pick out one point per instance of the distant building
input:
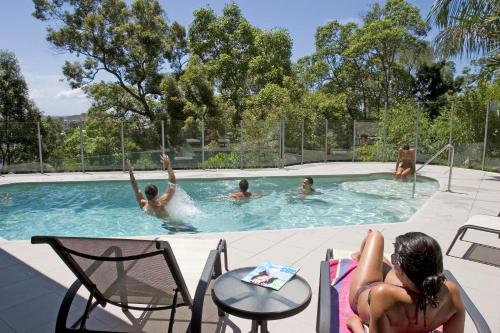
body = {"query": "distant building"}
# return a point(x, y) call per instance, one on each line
point(75, 117)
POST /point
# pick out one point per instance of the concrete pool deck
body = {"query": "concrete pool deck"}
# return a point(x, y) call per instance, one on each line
point(33, 280)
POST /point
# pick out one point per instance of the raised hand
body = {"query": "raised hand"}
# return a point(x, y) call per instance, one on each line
point(130, 167)
point(165, 160)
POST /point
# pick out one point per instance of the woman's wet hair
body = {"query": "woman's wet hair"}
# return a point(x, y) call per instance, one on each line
point(310, 180)
point(421, 259)
point(406, 146)
point(151, 191)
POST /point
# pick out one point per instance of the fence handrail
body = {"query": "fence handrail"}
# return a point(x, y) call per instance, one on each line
point(451, 151)
point(440, 151)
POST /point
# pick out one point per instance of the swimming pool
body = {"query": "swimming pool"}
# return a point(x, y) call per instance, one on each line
point(103, 209)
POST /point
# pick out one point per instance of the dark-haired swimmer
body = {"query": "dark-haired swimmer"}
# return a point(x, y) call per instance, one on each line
point(154, 204)
point(243, 193)
point(412, 297)
point(306, 187)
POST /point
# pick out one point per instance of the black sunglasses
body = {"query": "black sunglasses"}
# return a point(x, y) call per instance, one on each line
point(395, 259)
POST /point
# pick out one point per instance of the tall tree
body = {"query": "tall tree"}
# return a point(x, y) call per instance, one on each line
point(130, 43)
point(240, 58)
point(387, 33)
point(18, 114)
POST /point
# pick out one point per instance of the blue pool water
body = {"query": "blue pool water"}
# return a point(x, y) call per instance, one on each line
point(109, 208)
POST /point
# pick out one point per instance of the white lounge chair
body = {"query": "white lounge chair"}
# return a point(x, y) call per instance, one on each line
point(486, 254)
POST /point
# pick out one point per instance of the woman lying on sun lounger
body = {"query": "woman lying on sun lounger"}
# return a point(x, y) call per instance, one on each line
point(412, 296)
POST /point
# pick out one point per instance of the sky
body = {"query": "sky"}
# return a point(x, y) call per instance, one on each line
point(41, 64)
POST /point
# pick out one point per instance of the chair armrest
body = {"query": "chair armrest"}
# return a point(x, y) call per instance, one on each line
point(324, 305)
point(477, 318)
point(201, 289)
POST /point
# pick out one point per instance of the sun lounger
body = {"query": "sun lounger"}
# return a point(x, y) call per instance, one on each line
point(479, 252)
point(143, 275)
point(333, 298)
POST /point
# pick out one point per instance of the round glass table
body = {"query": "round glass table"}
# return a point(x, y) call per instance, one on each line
point(260, 304)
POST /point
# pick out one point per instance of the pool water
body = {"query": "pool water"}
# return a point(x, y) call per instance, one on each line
point(101, 209)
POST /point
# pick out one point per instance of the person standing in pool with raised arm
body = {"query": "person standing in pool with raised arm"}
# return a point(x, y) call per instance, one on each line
point(154, 204)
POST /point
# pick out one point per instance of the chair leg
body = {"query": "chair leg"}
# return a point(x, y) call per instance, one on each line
point(62, 316)
point(172, 312)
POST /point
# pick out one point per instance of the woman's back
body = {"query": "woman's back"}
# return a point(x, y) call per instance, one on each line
point(412, 296)
point(401, 312)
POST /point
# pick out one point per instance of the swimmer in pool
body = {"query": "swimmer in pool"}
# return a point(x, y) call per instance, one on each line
point(306, 187)
point(154, 204)
point(243, 193)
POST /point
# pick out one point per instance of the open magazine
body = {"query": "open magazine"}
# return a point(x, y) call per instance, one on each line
point(270, 275)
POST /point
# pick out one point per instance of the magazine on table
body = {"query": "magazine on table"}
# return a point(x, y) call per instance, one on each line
point(270, 275)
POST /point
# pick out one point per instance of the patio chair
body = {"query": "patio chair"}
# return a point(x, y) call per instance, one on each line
point(333, 298)
point(143, 275)
point(479, 252)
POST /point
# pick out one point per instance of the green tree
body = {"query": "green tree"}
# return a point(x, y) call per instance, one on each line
point(129, 43)
point(240, 58)
point(388, 32)
point(18, 114)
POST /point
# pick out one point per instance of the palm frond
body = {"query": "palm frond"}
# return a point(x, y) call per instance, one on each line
point(464, 40)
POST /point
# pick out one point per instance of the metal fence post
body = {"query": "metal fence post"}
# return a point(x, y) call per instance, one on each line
point(485, 134)
point(283, 158)
point(416, 147)
point(384, 131)
point(202, 140)
point(162, 140)
point(122, 138)
point(81, 147)
point(302, 143)
point(326, 140)
point(39, 146)
point(450, 140)
point(354, 141)
point(452, 150)
point(241, 144)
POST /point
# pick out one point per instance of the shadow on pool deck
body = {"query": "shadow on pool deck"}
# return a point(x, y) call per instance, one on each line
point(31, 300)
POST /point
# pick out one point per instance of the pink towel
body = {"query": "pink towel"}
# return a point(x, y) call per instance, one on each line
point(341, 272)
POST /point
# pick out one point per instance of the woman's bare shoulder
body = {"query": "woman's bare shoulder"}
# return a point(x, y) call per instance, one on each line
point(454, 294)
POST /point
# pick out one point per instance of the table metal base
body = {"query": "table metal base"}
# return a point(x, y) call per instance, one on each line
point(256, 324)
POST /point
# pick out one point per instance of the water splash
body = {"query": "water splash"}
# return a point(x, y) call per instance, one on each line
point(181, 206)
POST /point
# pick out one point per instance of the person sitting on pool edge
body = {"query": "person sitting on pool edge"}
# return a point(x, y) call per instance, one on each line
point(154, 204)
point(307, 184)
point(243, 193)
point(406, 157)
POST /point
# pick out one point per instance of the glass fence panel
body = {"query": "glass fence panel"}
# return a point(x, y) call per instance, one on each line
point(261, 144)
point(366, 140)
point(314, 140)
point(339, 141)
point(492, 151)
point(185, 144)
point(19, 151)
point(293, 142)
point(102, 145)
point(222, 146)
point(61, 145)
point(143, 143)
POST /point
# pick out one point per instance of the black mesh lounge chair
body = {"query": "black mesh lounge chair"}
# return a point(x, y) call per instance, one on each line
point(328, 300)
point(139, 275)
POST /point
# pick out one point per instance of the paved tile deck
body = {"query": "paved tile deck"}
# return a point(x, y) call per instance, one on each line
point(33, 280)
